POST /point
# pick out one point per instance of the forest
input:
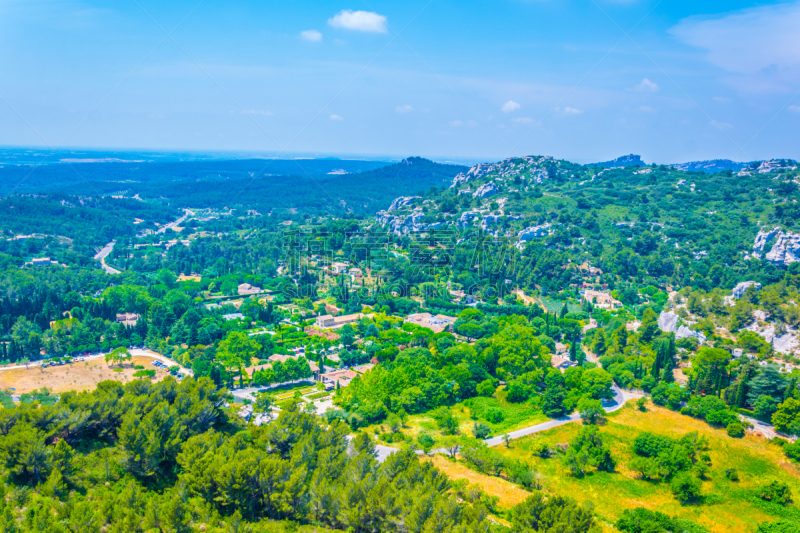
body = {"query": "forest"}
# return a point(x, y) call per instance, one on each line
point(232, 295)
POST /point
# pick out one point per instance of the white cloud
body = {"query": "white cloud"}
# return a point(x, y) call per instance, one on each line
point(721, 125)
point(404, 109)
point(523, 120)
point(257, 112)
point(510, 106)
point(748, 40)
point(312, 36)
point(647, 85)
point(722, 99)
point(646, 109)
point(456, 123)
point(794, 108)
point(572, 111)
point(336, 117)
point(365, 21)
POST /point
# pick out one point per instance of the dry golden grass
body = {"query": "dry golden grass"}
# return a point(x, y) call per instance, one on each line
point(728, 507)
point(79, 376)
point(508, 493)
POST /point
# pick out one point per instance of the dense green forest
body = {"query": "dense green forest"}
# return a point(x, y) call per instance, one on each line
point(522, 343)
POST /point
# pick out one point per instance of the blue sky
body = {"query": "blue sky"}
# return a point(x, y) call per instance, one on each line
point(582, 80)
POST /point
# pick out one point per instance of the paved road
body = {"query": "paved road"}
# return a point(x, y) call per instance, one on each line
point(102, 254)
point(620, 397)
point(186, 214)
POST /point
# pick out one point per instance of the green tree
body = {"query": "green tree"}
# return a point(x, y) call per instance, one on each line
point(237, 351)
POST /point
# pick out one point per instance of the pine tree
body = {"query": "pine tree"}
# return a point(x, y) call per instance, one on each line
point(564, 311)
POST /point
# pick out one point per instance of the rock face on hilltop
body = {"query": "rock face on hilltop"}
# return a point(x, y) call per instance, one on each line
point(711, 166)
point(402, 202)
point(784, 246)
point(488, 189)
point(624, 161)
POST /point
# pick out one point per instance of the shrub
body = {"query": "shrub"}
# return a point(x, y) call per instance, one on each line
point(792, 451)
point(641, 403)
point(485, 388)
point(493, 415)
point(542, 449)
point(426, 442)
point(590, 410)
point(685, 487)
point(144, 374)
point(735, 430)
point(732, 474)
point(642, 520)
point(481, 431)
point(650, 444)
point(776, 491)
point(781, 526)
point(445, 420)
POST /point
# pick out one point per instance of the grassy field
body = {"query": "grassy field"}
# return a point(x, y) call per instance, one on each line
point(79, 376)
point(514, 416)
point(727, 506)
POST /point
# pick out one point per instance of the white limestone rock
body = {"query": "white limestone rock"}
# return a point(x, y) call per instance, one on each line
point(785, 248)
point(741, 288)
point(402, 202)
point(668, 322)
point(486, 190)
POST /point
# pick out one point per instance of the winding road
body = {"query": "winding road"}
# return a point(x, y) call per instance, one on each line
point(620, 398)
point(103, 253)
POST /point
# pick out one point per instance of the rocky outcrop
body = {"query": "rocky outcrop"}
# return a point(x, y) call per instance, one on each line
point(668, 322)
point(403, 225)
point(684, 332)
point(478, 171)
point(402, 202)
point(785, 246)
point(741, 288)
point(534, 232)
point(486, 190)
point(466, 218)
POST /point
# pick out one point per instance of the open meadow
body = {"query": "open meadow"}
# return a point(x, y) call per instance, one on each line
point(78, 376)
point(726, 506)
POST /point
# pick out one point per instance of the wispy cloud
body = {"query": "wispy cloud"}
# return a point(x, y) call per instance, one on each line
point(404, 109)
point(510, 106)
point(312, 36)
point(257, 112)
point(794, 108)
point(646, 109)
point(749, 40)
point(336, 117)
point(722, 99)
point(721, 125)
point(572, 111)
point(365, 21)
point(647, 86)
point(523, 120)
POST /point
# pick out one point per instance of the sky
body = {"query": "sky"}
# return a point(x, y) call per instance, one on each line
point(672, 81)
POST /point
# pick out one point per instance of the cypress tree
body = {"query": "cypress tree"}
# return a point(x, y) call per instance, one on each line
point(790, 388)
point(741, 393)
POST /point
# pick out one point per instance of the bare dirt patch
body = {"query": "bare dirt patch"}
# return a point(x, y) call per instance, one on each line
point(79, 376)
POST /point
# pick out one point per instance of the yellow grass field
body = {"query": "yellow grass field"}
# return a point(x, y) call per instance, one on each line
point(728, 507)
point(79, 376)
